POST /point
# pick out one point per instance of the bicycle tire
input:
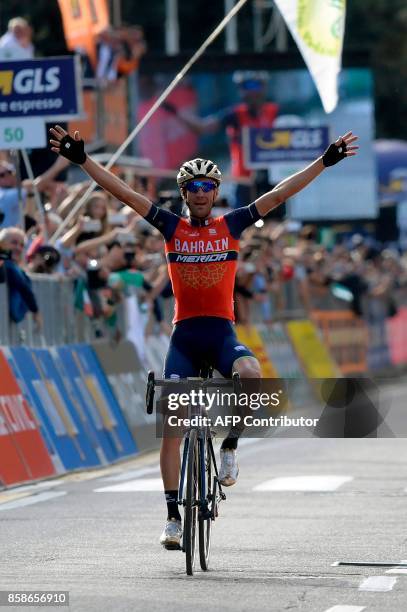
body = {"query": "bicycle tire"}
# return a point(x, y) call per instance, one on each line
point(191, 508)
point(205, 524)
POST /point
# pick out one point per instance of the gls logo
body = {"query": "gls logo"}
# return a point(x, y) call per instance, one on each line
point(30, 81)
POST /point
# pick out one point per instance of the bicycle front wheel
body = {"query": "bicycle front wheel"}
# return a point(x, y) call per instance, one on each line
point(205, 520)
point(191, 507)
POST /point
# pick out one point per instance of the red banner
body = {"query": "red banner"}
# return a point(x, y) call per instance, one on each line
point(82, 22)
point(397, 336)
point(23, 454)
point(165, 140)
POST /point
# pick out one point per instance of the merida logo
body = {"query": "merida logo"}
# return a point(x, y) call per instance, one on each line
point(201, 246)
point(201, 258)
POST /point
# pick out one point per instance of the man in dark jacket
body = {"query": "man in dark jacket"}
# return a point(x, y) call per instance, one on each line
point(20, 294)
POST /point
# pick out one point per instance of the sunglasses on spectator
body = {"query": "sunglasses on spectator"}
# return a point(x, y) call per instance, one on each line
point(195, 186)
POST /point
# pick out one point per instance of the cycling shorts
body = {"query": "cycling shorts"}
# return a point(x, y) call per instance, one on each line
point(203, 340)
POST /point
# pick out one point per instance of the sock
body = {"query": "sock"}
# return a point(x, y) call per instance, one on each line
point(171, 498)
point(230, 443)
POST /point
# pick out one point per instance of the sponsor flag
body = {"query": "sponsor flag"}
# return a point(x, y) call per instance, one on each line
point(317, 27)
point(82, 22)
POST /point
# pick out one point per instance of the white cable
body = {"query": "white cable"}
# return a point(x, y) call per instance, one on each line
point(149, 114)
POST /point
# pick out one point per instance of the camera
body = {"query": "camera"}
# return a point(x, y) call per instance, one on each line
point(95, 281)
point(4, 255)
point(129, 258)
point(92, 225)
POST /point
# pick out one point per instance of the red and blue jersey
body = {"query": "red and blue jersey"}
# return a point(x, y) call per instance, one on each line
point(202, 259)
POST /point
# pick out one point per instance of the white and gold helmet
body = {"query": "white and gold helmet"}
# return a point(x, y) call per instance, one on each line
point(198, 168)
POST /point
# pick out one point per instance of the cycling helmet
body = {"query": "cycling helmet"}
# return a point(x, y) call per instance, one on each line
point(198, 168)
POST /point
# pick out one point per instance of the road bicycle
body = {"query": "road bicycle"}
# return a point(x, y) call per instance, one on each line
point(200, 491)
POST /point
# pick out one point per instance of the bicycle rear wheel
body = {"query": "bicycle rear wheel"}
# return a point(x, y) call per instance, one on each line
point(191, 508)
point(205, 522)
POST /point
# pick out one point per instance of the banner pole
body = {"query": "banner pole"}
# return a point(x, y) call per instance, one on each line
point(150, 113)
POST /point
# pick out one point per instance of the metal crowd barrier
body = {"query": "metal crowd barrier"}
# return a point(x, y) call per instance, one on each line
point(357, 345)
point(61, 323)
point(4, 323)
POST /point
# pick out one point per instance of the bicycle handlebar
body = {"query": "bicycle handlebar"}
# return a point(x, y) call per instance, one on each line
point(152, 382)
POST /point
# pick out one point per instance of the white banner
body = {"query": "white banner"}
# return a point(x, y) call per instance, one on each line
point(317, 27)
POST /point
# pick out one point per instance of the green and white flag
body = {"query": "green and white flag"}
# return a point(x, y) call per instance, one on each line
point(317, 27)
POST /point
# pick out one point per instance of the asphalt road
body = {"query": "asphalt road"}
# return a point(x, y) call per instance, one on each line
point(96, 534)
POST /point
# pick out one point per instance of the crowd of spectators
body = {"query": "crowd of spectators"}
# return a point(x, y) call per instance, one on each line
point(108, 251)
point(287, 269)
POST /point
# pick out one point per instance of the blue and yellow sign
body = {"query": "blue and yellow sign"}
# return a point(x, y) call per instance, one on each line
point(48, 88)
point(265, 146)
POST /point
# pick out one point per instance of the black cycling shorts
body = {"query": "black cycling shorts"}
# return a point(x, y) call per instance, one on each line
point(203, 341)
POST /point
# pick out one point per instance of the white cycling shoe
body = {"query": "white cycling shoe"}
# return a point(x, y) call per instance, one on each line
point(229, 469)
point(172, 534)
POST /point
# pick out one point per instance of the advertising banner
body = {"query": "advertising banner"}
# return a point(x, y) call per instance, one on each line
point(47, 88)
point(216, 100)
point(23, 454)
point(63, 362)
point(346, 336)
point(250, 337)
point(311, 351)
point(54, 408)
point(265, 146)
point(397, 336)
point(104, 401)
point(31, 401)
point(285, 361)
point(128, 379)
point(79, 387)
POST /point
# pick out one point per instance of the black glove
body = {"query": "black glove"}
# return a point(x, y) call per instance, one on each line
point(74, 150)
point(334, 154)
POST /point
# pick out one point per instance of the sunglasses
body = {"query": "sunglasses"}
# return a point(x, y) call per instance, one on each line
point(195, 186)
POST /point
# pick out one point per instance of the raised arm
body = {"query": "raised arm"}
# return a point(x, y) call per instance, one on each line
point(74, 150)
point(341, 148)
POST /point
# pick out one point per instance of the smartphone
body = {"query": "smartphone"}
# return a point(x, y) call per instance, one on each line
point(117, 219)
point(92, 225)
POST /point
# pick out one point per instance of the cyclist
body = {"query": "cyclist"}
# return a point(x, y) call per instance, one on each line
point(202, 256)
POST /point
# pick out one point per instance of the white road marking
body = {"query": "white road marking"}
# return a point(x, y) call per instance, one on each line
point(397, 570)
point(45, 484)
point(377, 584)
point(303, 483)
point(131, 474)
point(346, 609)
point(30, 500)
point(140, 484)
point(248, 441)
